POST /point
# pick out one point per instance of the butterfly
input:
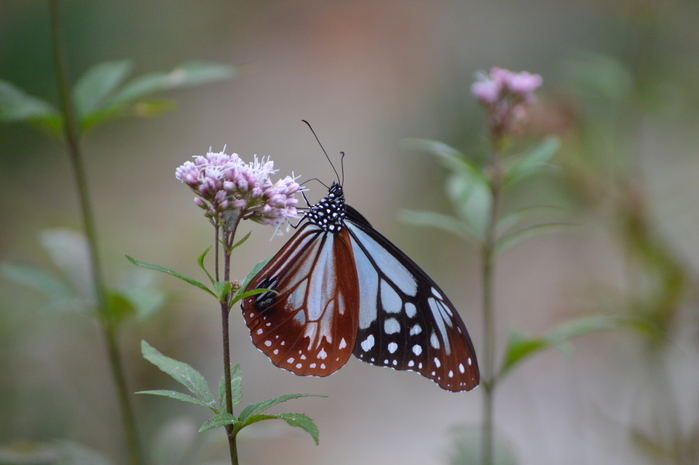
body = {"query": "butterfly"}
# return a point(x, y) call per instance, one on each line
point(338, 287)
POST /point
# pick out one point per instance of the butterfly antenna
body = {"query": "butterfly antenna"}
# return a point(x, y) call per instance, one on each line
point(323, 148)
point(342, 167)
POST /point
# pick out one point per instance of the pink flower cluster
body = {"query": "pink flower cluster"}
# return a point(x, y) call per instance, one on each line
point(227, 187)
point(505, 94)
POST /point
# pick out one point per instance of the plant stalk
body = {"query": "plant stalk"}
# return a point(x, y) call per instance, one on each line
point(488, 266)
point(76, 158)
point(229, 236)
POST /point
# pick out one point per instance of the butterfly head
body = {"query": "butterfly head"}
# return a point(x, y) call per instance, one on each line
point(329, 212)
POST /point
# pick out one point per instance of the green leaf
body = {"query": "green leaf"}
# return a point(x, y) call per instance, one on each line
point(513, 219)
point(236, 388)
point(200, 261)
point(119, 307)
point(452, 158)
point(16, 106)
point(472, 199)
point(141, 290)
point(508, 240)
point(520, 346)
point(175, 395)
point(534, 161)
point(222, 289)
point(36, 279)
point(241, 293)
point(238, 296)
point(240, 242)
point(439, 221)
point(187, 74)
point(170, 272)
point(222, 419)
point(259, 407)
point(181, 372)
point(298, 420)
point(93, 88)
point(73, 453)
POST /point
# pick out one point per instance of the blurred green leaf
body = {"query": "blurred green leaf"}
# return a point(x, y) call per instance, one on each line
point(514, 219)
point(36, 279)
point(451, 158)
point(93, 88)
point(143, 293)
point(466, 445)
point(16, 106)
point(72, 453)
point(187, 74)
point(508, 240)
point(180, 372)
point(520, 346)
point(472, 199)
point(221, 419)
point(119, 308)
point(535, 161)
point(174, 443)
point(439, 221)
point(170, 272)
point(259, 407)
point(298, 420)
point(70, 253)
point(176, 395)
point(236, 388)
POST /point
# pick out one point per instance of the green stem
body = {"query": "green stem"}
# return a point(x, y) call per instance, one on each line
point(229, 237)
point(76, 158)
point(488, 265)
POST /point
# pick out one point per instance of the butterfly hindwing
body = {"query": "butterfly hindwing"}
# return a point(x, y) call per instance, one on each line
point(405, 320)
point(308, 325)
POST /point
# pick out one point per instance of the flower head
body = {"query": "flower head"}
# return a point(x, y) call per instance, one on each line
point(229, 189)
point(505, 95)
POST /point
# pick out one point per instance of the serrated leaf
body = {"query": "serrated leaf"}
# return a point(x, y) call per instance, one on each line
point(221, 419)
point(520, 346)
point(180, 372)
point(534, 161)
point(259, 407)
point(93, 88)
point(236, 388)
point(508, 240)
point(175, 395)
point(162, 269)
point(119, 308)
point(18, 106)
point(437, 220)
point(298, 420)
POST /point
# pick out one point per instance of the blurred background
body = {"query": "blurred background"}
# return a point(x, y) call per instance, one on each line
point(621, 89)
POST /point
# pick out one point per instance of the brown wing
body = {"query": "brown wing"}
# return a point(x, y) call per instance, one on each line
point(310, 324)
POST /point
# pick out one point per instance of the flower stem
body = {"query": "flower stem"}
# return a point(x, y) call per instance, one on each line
point(488, 265)
point(229, 236)
point(76, 158)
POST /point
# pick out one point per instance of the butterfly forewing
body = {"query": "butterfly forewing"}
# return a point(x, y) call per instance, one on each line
point(405, 320)
point(308, 325)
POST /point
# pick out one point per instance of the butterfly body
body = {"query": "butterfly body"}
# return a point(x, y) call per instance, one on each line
point(341, 288)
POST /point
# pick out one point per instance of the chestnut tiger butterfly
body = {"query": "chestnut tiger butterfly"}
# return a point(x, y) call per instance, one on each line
point(342, 288)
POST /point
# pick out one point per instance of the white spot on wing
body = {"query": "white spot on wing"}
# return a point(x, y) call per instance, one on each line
point(268, 343)
point(417, 329)
point(437, 362)
point(367, 343)
point(392, 347)
point(417, 350)
point(391, 326)
point(434, 340)
point(343, 343)
point(322, 354)
point(410, 310)
point(461, 368)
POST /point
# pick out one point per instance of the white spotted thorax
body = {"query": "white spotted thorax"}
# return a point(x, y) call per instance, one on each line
point(329, 213)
